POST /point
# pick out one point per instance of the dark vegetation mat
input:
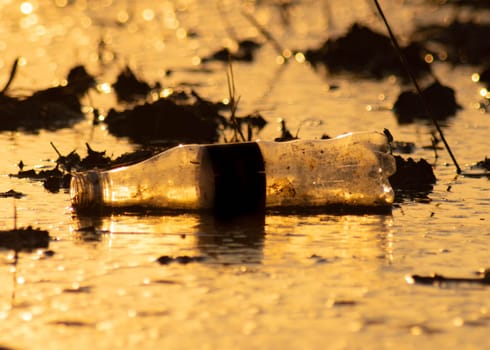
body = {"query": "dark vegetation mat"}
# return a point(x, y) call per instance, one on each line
point(368, 53)
point(24, 239)
point(183, 118)
point(412, 176)
point(484, 4)
point(52, 108)
point(458, 42)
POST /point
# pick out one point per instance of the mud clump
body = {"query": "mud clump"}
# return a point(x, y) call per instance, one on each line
point(440, 100)
point(129, 88)
point(24, 239)
point(368, 53)
point(176, 119)
point(51, 109)
point(484, 164)
point(412, 178)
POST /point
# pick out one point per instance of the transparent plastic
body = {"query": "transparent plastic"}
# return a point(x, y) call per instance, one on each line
point(179, 178)
point(351, 170)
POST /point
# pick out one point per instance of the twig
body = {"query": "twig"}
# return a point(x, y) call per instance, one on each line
point(55, 149)
point(15, 215)
point(230, 78)
point(417, 87)
point(11, 77)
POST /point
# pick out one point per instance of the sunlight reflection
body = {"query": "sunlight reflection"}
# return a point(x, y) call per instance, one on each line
point(347, 236)
point(148, 14)
point(104, 88)
point(122, 17)
point(26, 8)
point(300, 57)
point(256, 239)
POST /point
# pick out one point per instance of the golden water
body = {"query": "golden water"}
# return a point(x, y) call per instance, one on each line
point(286, 281)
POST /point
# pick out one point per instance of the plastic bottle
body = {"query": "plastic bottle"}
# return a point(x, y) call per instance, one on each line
point(349, 170)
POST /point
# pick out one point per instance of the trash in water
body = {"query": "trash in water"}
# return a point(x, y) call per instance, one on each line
point(351, 170)
point(439, 279)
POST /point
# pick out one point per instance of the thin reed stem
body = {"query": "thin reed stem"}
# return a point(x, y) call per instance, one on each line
point(417, 87)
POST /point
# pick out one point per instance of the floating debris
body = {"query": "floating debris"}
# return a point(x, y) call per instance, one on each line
point(59, 177)
point(412, 178)
point(440, 99)
point(368, 53)
point(52, 108)
point(183, 259)
point(24, 239)
point(440, 279)
point(12, 194)
point(484, 164)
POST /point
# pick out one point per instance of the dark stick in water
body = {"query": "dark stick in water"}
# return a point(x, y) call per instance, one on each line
point(417, 87)
point(11, 76)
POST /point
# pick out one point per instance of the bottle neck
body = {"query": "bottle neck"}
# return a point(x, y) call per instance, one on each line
point(86, 190)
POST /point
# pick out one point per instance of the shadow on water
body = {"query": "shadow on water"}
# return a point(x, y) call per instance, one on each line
point(225, 241)
point(204, 238)
point(234, 241)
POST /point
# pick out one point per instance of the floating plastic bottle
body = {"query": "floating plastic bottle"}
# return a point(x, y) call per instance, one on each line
point(350, 170)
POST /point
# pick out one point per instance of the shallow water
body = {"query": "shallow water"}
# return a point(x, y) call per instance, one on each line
point(283, 280)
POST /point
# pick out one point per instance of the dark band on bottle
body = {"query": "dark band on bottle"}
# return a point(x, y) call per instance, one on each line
point(239, 178)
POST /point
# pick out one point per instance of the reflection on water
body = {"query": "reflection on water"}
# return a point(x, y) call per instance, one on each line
point(235, 241)
point(249, 239)
point(361, 236)
point(232, 241)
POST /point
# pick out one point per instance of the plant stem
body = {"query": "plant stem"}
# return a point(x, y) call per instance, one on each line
point(417, 87)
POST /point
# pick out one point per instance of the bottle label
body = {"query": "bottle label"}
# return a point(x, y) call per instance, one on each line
point(239, 178)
